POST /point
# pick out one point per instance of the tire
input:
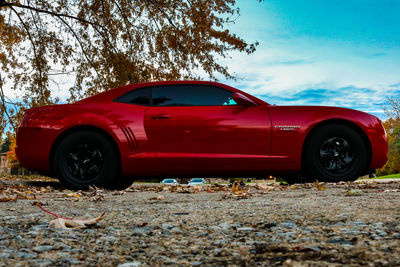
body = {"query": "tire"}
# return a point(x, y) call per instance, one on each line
point(335, 153)
point(86, 158)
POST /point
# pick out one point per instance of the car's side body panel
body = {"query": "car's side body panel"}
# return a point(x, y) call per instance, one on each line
point(210, 138)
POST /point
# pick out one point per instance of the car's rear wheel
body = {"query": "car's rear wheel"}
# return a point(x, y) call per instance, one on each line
point(334, 153)
point(86, 158)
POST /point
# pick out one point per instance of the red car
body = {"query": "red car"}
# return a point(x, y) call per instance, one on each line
point(196, 129)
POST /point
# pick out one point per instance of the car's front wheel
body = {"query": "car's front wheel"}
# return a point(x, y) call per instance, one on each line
point(86, 158)
point(334, 153)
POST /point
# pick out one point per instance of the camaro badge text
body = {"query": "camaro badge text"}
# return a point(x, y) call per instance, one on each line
point(287, 127)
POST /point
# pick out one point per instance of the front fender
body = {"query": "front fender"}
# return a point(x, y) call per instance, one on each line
point(291, 125)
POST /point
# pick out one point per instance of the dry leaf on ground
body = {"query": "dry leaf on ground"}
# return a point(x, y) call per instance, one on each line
point(354, 192)
point(4, 198)
point(391, 190)
point(265, 186)
point(67, 223)
point(73, 194)
point(235, 186)
point(157, 198)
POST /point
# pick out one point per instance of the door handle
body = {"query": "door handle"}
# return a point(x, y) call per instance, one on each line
point(161, 117)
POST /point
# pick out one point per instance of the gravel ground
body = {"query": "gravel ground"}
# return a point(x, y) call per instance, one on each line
point(301, 225)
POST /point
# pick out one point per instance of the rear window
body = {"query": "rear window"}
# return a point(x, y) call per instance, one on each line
point(140, 96)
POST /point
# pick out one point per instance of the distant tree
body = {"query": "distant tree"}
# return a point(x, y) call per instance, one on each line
point(104, 44)
point(11, 156)
point(5, 145)
point(392, 127)
point(392, 110)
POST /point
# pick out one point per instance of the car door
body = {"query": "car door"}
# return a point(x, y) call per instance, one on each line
point(200, 128)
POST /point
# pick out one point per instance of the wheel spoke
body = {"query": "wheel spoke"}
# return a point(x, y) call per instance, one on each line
point(85, 161)
point(332, 165)
point(336, 155)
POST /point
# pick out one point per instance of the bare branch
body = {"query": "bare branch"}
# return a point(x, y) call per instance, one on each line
point(61, 15)
point(80, 44)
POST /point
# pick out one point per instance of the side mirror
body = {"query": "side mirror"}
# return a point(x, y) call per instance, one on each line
point(243, 100)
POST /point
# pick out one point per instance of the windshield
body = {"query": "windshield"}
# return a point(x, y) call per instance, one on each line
point(168, 180)
point(197, 180)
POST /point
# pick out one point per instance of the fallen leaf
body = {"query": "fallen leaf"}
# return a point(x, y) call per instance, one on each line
point(321, 188)
point(236, 195)
point(283, 187)
point(96, 198)
point(8, 198)
point(218, 187)
point(354, 192)
point(235, 186)
point(27, 195)
point(188, 189)
point(265, 186)
point(73, 195)
point(157, 198)
point(119, 193)
point(65, 223)
point(391, 190)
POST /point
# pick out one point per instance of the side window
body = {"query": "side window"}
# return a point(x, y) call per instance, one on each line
point(139, 97)
point(191, 95)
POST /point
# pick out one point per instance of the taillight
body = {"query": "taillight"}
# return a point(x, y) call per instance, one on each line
point(22, 123)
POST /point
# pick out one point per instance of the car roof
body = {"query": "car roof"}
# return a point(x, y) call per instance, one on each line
point(110, 95)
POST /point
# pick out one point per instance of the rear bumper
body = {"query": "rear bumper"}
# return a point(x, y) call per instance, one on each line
point(33, 148)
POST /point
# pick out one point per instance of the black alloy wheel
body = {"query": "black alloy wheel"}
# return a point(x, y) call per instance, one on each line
point(334, 153)
point(85, 162)
point(86, 158)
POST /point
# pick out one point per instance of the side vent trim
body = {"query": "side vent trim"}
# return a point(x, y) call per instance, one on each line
point(130, 137)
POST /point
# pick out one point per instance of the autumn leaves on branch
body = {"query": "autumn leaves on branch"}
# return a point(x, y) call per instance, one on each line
point(98, 45)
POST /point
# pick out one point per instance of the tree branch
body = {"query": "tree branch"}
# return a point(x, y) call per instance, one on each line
point(4, 3)
point(61, 15)
point(3, 106)
point(80, 44)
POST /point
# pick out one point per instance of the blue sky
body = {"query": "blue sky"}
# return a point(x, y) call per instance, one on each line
point(319, 52)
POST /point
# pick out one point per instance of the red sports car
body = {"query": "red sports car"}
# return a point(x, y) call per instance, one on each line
point(196, 129)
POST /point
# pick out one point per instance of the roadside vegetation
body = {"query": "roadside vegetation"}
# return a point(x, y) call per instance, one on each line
point(390, 176)
point(392, 127)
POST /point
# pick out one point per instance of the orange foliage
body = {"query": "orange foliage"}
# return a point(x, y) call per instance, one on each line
point(11, 155)
point(392, 127)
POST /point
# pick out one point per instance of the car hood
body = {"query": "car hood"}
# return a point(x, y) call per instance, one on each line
point(301, 115)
